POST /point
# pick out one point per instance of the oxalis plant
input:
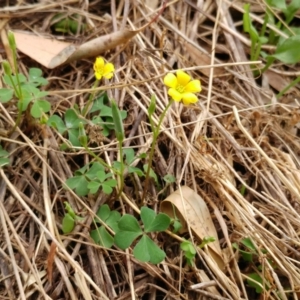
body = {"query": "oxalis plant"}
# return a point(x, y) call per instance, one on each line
point(250, 256)
point(287, 45)
point(128, 230)
point(112, 228)
point(24, 88)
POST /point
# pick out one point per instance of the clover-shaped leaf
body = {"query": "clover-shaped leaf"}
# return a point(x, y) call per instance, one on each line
point(111, 218)
point(147, 251)
point(6, 95)
point(154, 222)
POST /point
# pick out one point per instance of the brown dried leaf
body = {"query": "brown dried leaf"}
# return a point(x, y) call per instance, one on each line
point(43, 49)
point(197, 215)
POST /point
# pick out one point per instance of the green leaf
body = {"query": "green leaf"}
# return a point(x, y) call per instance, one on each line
point(189, 251)
point(169, 178)
point(247, 242)
point(103, 212)
point(151, 174)
point(39, 107)
point(23, 105)
point(3, 157)
point(6, 95)
point(102, 237)
point(135, 170)
point(107, 189)
point(291, 10)
point(68, 223)
point(35, 73)
point(147, 251)
point(92, 173)
point(256, 283)
point(79, 184)
point(36, 78)
point(93, 187)
point(4, 162)
point(129, 155)
point(6, 68)
point(288, 52)
point(188, 247)
point(247, 24)
point(206, 240)
point(69, 209)
point(119, 128)
point(99, 103)
point(113, 220)
point(129, 223)
point(57, 123)
point(68, 24)
point(176, 225)
point(154, 222)
point(71, 119)
point(247, 256)
point(148, 216)
point(280, 4)
point(152, 106)
point(73, 135)
point(123, 239)
point(30, 89)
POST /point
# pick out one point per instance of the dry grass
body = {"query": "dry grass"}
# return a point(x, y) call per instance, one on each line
point(238, 135)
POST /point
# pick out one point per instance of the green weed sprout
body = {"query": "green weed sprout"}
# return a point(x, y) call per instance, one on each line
point(287, 49)
point(70, 218)
point(89, 179)
point(189, 250)
point(24, 89)
point(250, 255)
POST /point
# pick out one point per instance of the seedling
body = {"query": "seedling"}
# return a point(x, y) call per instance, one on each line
point(90, 180)
point(287, 48)
point(251, 255)
point(70, 218)
point(24, 89)
point(68, 24)
point(189, 250)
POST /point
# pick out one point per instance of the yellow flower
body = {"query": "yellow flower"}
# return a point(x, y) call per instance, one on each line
point(103, 69)
point(182, 88)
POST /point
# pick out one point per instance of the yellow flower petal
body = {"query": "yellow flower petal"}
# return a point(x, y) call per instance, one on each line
point(193, 86)
point(170, 80)
point(98, 75)
point(182, 78)
point(108, 68)
point(99, 63)
point(189, 98)
point(175, 95)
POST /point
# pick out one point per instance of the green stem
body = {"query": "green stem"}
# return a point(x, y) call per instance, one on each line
point(293, 83)
point(156, 132)
point(91, 98)
point(18, 91)
point(121, 174)
point(100, 160)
